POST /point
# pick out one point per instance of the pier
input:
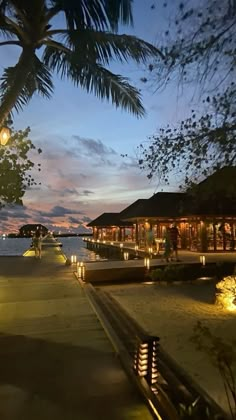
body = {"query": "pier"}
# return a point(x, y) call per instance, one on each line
point(56, 359)
point(69, 351)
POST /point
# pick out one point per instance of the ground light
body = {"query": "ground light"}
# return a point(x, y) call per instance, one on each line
point(203, 260)
point(81, 270)
point(147, 263)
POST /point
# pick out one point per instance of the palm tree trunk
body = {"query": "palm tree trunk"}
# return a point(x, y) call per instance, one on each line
point(17, 84)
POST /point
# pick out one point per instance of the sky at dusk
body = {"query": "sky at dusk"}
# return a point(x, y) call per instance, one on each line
point(83, 173)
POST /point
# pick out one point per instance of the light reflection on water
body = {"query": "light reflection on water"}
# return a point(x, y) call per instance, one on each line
point(71, 246)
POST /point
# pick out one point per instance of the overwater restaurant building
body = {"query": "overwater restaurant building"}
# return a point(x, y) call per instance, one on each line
point(206, 219)
point(109, 227)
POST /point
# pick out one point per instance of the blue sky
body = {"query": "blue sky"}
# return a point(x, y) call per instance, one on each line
point(82, 138)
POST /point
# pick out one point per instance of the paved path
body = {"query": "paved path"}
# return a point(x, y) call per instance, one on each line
point(55, 359)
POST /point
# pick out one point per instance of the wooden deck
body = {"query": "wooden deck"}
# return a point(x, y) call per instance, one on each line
point(56, 360)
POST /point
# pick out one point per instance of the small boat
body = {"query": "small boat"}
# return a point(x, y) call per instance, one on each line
point(51, 244)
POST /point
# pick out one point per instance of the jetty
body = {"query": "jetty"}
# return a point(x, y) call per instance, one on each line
point(69, 351)
point(56, 359)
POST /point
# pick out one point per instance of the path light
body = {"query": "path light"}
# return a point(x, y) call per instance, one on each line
point(5, 134)
point(73, 259)
point(147, 263)
point(81, 270)
point(112, 243)
point(121, 246)
point(203, 259)
point(126, 256)
point(150, 250)
point(145, 359)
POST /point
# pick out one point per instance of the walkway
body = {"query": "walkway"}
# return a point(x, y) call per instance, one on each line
point(56, 361)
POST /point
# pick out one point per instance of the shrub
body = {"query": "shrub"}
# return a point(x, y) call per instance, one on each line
point(226, 293)
point(222, 354)
point(157, 274)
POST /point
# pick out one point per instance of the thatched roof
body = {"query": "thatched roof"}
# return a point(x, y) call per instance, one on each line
point(215, 195)
point(162, 204)
point(134, 210)
point(108, 219)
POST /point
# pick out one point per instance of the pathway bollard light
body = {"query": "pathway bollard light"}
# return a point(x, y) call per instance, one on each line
point(145, 359)
point(81, 270)
point(203, 260)
point(147, 263)
point(73, 259)
point(126, 256)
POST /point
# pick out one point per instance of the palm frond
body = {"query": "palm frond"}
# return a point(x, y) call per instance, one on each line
point(106, 46)
point(95, 79)
point(106, 85)
point(6, 30)
point(38, 80)
point(97, 14)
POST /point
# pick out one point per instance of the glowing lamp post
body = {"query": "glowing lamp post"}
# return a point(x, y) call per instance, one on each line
point(5, 134)
point(73, 259)
point(203, 260)
point(81, 270)
point(147, 263)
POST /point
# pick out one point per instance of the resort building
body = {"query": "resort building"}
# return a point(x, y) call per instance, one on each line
point(109, 227)
point(205, 218)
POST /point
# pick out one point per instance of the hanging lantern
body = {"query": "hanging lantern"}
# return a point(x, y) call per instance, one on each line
point(5, 134)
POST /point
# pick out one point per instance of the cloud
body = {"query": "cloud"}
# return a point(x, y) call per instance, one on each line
point(75, 220)
point(86, 219)
point(94, 147)
point(59, 211)
point(13, 212)
point(86, 192)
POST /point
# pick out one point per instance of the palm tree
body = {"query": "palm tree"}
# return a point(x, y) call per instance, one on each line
point(81, 51)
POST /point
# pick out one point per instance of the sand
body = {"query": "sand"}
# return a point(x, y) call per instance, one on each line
point(171, 312)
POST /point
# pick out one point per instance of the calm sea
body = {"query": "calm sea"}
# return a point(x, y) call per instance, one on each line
point(71, 246)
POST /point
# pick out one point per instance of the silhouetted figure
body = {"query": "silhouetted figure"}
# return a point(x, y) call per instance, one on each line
point(37, 243)
point(174, 234)
point(167, 245)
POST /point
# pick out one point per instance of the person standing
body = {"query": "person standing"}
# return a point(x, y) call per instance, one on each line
point(167, 245)
point(174, 234)
point(37, 243)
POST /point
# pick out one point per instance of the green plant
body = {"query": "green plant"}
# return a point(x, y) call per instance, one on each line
point(157, 274)
point(222, 354)
point(76, 39)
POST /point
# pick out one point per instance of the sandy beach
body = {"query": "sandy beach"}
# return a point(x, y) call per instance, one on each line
point(171, 312)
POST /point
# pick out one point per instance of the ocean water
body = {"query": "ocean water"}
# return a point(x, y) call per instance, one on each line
point(70, 246)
